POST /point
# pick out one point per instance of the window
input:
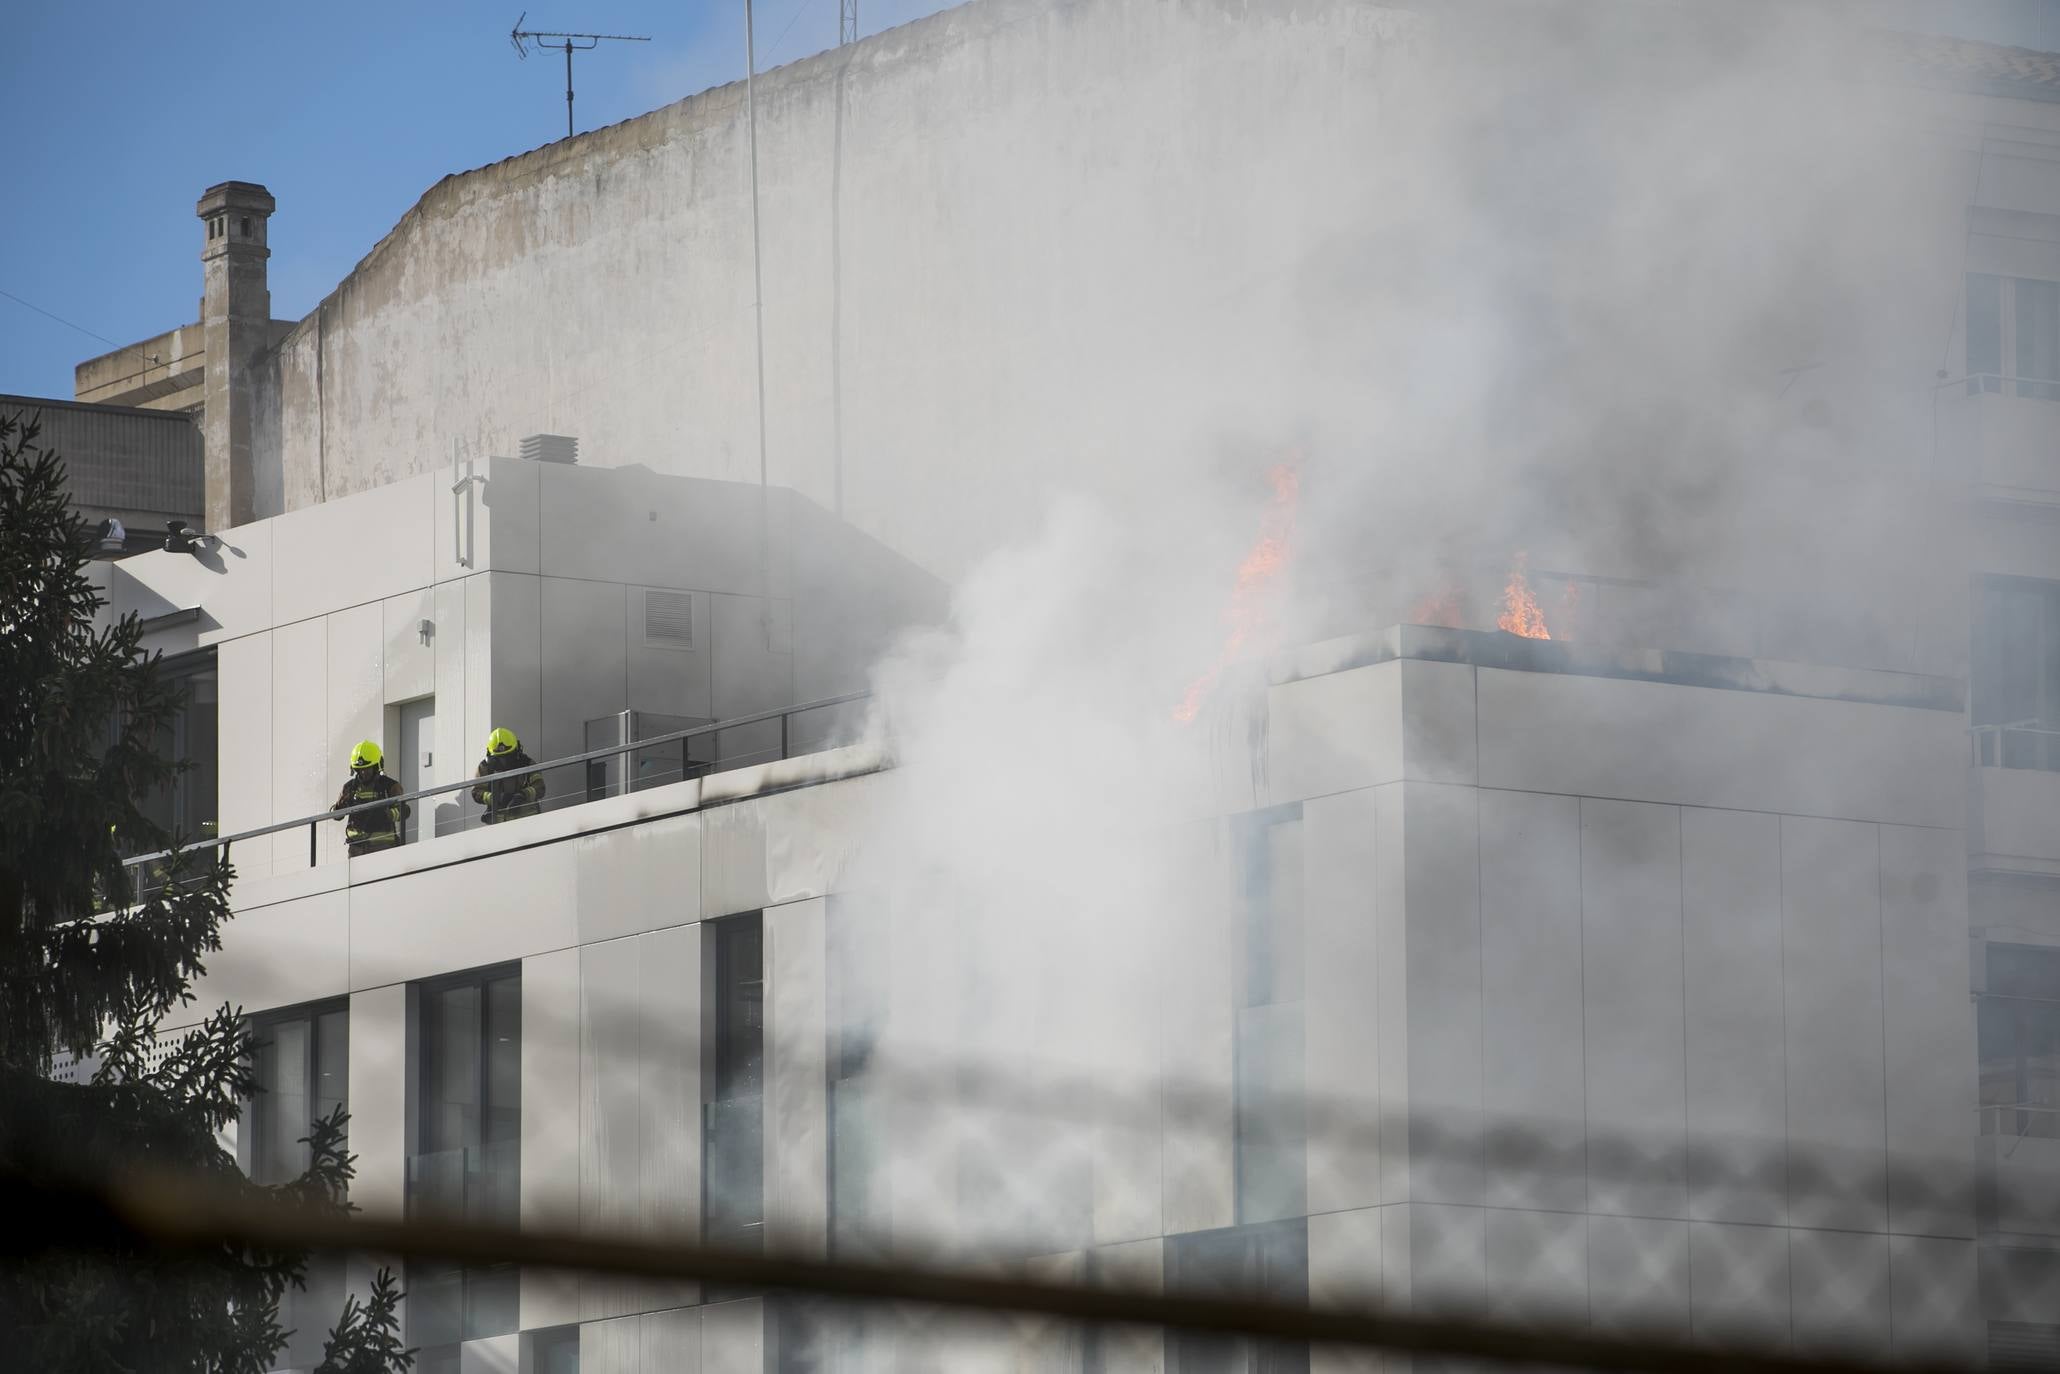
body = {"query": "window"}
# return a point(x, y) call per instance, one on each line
point(554, 1352)
point(1268, 1262)
point(302, 1067)
point(733, 1201)
point(185, 806)
point(468, 1151)
point(1271, 1135)
point(856, 935)
point(2014, 691)
point(2018, 1039)
point(2013, 336)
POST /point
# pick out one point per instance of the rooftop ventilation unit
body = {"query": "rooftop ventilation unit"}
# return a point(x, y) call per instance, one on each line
point(551, 448)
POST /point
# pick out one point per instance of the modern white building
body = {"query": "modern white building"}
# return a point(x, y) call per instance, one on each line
point(1756, 939)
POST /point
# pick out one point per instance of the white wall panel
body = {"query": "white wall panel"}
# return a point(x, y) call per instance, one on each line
point(1736, 1069)
point(347, 552)
point(409, 662)
point(1638, 1275)
point(667, 679)
point(306, 771)
point(1532, 1051)
point(1340, 978)
point(1635, 1022)
point(751, 671)
point(796, 1103)
point(357, 698)
point(455, 738)
point(1392, 993)
point(1753, 751)
point(552, 1076)
point(639, 877)
point(512, 620)
point(610, 1137)
point(1831, 945)
point(468, 915)
point(1928, 1031)
point(670, 1341)
point(585, 675)
point(1434, 1258)
point(733, 858)
point(244, 786)
point(1334, 733)
point(1442, 900)
point(382, 1077)
point(1739, 1286)
point(1537, 1266)
point(669, 1094)
point(1840, 1284)
point(612, 1347)
point(733, 1337)
point(1935, 1299)
point(1438, 726)
point(1197, 1035)
point(280, 956)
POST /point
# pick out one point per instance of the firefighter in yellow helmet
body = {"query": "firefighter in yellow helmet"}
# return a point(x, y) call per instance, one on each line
point(514, 788)
point(376, 827)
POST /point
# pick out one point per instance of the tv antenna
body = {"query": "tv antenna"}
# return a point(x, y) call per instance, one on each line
point(569, 43)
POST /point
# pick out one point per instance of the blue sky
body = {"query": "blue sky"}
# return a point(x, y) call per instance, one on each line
point(120, 113)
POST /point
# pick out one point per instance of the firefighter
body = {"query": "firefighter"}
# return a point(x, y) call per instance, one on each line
point(516, 789)
point(378, 827)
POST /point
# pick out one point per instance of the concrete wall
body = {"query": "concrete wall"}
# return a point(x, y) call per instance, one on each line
point(600, 286)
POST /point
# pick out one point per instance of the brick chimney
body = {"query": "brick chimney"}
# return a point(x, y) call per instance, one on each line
point(236, 321)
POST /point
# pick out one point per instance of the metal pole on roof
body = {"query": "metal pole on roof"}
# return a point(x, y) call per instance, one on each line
point(758, 328)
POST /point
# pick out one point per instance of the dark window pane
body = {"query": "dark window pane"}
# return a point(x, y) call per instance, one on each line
point(1984, 330)
point(503, 1061)
point(450, 1068)
point(733, 1121)
point(280, 1112)
point(2038, 337)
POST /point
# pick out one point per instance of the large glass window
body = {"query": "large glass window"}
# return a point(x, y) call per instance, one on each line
point(1271, 1136)
point(468, 1151)
point(733, 1204)
point(2019, 1041)
point(2013, 336)
point(186, 806)
point(1268, 1262)
point(302, 1067)
point(2014, 691)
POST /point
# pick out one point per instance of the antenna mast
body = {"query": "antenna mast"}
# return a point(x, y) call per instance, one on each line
point(847, 24)
point(570, 43)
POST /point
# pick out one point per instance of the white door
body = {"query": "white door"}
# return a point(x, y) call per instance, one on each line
point(417, 738)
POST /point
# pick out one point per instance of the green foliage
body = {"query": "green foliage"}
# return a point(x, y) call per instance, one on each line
point(87, 961)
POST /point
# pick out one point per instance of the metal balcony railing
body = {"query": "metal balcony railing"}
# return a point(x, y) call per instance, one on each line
point(1997, 384)
point(2038, 1121)
point(478, 1184)
point(2024, 744)
point(761, 738)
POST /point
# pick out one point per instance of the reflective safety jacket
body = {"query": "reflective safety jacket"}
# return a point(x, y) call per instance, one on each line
point(380, 826)
point(515, 790)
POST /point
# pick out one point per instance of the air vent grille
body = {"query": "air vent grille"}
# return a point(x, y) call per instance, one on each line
point(550, 448)
point(668, 619)
point(2023, 1345)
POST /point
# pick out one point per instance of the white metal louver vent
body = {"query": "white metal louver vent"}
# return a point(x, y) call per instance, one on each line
point(2023, 1345)
point(550, 448)
point(668, 619)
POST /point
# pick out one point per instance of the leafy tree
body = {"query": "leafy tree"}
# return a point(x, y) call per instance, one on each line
point(88, 962)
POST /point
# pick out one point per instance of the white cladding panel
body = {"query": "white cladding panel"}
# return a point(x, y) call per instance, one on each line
point(550, 1195)
point(440, 920)
point(1701, 746)
point(585, 673)
point(408, 664)
point(245, 774)
point(305, 770)
point(345, 553)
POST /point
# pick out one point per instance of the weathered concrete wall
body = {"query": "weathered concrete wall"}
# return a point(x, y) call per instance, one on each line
point(979, 232)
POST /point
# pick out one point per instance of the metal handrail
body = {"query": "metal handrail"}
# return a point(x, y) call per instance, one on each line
point(1948, 384)
point(610, 751)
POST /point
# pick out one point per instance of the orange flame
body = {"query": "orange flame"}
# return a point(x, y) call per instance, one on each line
point(1248, 611)
point(1521, 614)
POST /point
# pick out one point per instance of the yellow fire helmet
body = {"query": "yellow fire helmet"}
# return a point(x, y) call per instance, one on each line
point(366, 755)
point(502, 741)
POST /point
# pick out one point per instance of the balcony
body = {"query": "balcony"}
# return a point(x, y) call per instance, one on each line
point(2014, 795)
point(2004, 435)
